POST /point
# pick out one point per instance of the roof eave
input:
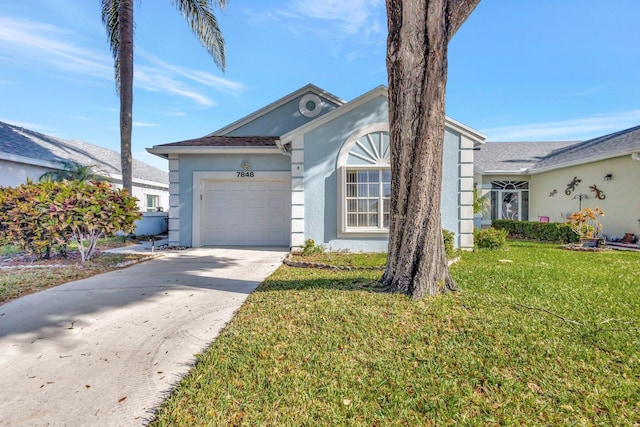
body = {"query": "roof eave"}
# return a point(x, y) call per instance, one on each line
point(164, 151)
point(579, 162)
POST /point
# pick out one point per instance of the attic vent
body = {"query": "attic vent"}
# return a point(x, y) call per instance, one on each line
point(310, 105)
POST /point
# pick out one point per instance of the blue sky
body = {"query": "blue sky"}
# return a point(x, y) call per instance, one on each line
point(518, 70)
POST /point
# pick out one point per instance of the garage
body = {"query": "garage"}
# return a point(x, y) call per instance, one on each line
point(246, 211)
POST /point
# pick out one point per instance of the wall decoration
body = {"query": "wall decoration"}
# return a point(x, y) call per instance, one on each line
point(599, 193)
point(581, 197)
point(553, 193)
point(572, 185)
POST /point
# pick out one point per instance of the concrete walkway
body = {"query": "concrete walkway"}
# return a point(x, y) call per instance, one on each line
point(105, 351)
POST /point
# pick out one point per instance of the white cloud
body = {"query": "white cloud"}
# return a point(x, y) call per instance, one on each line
point(49, 45)
point(55, 49)
point(143, 124)
point(575, 129)
point(202, 77)
point(351, 17)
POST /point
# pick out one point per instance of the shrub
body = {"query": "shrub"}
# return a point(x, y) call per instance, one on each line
point(448, 237)
point(44, 215)
point(310, 248)
point(491, 238)
point(540, 231)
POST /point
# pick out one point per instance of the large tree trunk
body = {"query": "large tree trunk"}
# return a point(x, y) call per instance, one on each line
point(125, 59)
point(419, 34)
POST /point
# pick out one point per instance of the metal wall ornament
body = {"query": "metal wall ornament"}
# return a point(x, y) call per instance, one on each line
point(553, 193)
point(572, 185)
point(599, 193)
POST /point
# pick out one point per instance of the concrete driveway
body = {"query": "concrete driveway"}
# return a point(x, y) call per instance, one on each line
point(107, 350)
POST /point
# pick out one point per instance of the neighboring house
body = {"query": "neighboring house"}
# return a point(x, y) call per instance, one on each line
point(547, 181)
point(25, 154)
point(308, 166)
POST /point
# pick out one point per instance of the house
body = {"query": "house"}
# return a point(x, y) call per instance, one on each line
point(547, 181)
point(307, 166)
point(25, 154)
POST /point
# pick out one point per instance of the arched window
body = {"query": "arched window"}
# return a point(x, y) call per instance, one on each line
point(365, 181)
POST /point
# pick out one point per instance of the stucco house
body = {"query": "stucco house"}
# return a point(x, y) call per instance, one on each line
point(547, 181)
point(25, 154)
point(307, 166)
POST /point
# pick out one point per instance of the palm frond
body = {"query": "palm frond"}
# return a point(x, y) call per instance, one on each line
point(110, 12)
point(204, 25)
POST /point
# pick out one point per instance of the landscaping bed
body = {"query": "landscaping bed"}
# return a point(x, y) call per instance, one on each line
point(22, 274)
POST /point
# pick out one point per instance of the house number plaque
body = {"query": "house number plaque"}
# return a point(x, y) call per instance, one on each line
point(245, 174)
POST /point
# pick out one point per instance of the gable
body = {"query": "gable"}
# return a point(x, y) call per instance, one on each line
point(284, 115)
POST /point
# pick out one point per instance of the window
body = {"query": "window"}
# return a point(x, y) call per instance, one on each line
point(364, 182)
point(367, 196)
point(153, 202)
point(510, 200)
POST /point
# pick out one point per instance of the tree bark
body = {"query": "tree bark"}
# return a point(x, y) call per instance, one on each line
point(419, 34)
point(125, 59)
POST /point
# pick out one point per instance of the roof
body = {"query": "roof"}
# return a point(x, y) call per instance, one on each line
point(514, 157)
point(27, 146)
point(285, 99)
point(534, 157)
point(226, 141)
point(612, 145)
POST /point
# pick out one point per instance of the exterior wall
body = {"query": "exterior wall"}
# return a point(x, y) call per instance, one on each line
point(181, 183)
point(13, 174)
point(281, 120)
point(321, 148)
point(315, 182)
point(622, 199)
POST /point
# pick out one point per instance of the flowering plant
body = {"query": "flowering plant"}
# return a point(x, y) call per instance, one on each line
point(585, 222)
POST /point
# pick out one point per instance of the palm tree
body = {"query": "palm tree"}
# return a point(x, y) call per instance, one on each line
point(117, 17)
point(72, 170)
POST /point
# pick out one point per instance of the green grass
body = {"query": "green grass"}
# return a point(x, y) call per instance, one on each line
point(538, 336)
point(345, 259)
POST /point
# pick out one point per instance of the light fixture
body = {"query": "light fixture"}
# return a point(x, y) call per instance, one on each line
point(245, 165)
point(608, 177)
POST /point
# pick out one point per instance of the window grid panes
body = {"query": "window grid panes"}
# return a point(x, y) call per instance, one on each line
point(152, 202)
point(368, 192)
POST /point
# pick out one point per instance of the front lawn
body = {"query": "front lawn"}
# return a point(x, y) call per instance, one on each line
point(538, 336)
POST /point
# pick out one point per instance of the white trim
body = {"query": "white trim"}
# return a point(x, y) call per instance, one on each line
point(159, 150)
point(343, 230)
point(200, 176)
point(325, 118)
point(583, 161)
point(353, 139)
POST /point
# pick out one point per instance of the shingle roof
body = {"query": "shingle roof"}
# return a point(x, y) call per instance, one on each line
point(226, 141)
point(514, 156)
point(18, 141)
point(611, 145)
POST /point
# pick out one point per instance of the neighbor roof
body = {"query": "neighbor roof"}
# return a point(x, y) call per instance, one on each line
point(612, 145)
point(27, 146)
point(514, 157)
point(534, 157)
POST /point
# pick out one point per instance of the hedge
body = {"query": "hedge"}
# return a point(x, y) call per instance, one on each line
point(541, 231)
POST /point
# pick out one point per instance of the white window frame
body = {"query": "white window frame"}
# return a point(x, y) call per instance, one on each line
point(150, 208)
point(344, 231)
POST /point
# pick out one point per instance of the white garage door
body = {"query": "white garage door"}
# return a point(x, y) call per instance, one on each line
point(246, 212)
